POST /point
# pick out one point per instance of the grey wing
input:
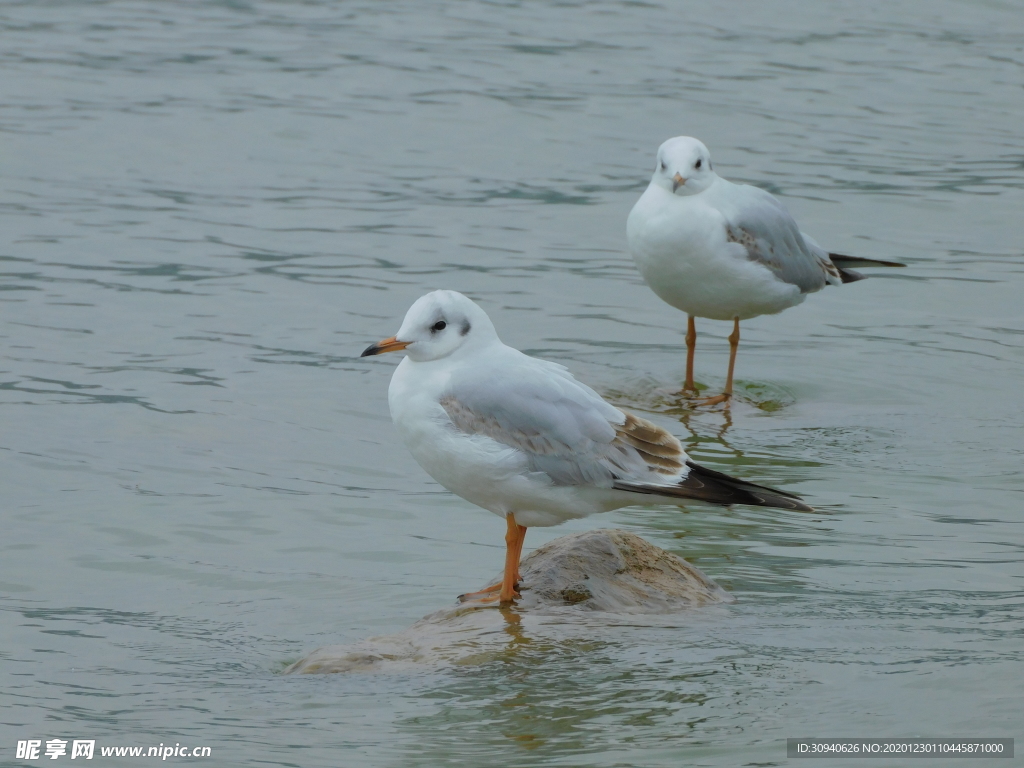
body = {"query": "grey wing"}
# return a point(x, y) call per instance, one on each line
point(564, 428)
point(762, 225)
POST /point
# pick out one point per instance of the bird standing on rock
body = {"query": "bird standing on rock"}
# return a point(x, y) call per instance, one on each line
point(724, 251)
point(520, 437)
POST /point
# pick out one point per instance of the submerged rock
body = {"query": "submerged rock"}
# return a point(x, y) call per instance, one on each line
point(605, 570)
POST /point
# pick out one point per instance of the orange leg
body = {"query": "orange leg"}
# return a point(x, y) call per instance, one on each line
point(691, 348)
point(521, 531)
point(514, 538)
point(734, 345)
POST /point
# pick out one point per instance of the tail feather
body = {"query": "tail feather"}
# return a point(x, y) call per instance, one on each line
point(857, 261)
point(703, 484)
point(847, 275)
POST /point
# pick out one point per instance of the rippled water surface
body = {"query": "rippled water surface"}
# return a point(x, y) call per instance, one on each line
point(210, 209)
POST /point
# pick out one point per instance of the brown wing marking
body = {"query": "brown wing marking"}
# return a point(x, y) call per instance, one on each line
point(755, 253)
point(662, 452)
point(832, 270)
point(473, 423)
point(744, 238)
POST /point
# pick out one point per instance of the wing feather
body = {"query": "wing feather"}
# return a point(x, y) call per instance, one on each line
point(568, 432)
point(770, 236)
point(659, 449)
point(564, 428)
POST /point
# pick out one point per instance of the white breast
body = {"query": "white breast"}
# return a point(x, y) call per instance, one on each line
point(679, 245)
point(477, 468)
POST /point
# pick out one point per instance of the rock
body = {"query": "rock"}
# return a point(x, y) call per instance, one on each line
point(605, 570)
point(610, 570)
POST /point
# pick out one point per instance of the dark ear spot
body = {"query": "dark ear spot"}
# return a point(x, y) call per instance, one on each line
point(465, 327)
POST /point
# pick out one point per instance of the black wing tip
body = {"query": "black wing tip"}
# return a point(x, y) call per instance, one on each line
point(842, 260)
point(849, 275)
point(786, 502)
point(703, 484)
point(750, 493)
point(702, 470)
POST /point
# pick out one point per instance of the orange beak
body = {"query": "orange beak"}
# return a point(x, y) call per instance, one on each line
point(677, 182)
point(387, 345)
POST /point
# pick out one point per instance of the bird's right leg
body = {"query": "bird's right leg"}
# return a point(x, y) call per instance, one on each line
point(691, 348)
point(734, 344)
point(520, 540)
point(514, 538)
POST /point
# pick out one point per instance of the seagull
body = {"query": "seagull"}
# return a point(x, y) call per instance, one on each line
point(522, 438)
point(724, 251)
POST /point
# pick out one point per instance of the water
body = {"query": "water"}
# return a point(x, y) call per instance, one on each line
point(210, 209)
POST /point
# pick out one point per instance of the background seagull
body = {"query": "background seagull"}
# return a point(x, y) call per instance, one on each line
point(724, 251)
point(520, 437)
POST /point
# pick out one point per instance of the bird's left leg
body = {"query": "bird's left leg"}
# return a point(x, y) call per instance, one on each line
point(514, 538)
point(691, 348)
point(734, 345)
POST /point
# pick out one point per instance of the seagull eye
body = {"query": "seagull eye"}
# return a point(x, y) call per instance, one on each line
point(697, 165)
point(663, 166)
point(440, 325)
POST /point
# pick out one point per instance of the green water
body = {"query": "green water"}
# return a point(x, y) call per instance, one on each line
point(210, 209)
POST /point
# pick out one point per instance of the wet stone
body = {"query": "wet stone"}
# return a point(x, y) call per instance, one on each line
point(611, 570)
point(576, 593)
point(597, 571)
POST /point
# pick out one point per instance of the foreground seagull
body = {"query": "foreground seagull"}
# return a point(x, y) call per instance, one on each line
point(724, 251)
point(523, 439)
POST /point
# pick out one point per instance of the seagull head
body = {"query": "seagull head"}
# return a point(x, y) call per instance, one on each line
point(437, 325)
point(684, 166)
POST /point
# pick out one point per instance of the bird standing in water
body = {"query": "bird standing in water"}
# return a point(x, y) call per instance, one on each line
point(724, 251)
point(520, 437)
